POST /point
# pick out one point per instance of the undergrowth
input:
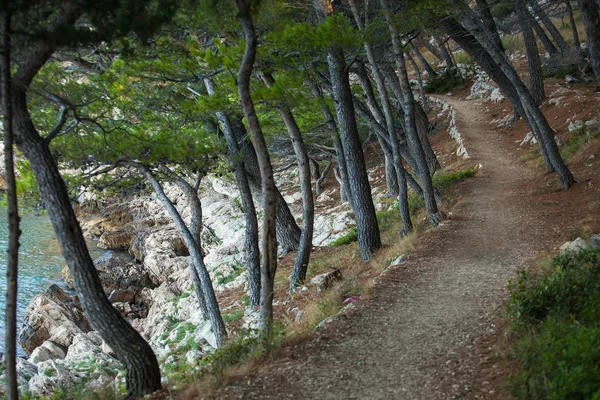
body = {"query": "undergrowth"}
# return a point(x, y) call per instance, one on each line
point(444, 83)
point(555, 314)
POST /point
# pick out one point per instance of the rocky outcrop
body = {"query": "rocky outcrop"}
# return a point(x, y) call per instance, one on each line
point(54, 316)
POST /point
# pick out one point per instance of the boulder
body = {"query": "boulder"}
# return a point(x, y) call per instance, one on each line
point(52, 315)
point(327, 280)
point(576, 245)
point(400, 260)
point(118, 239)
point(595, 241)
point(121, 296)
point(52, 374)
point(47, 351)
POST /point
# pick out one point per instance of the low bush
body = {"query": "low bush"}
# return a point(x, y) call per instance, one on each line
point(351, 236)
point(555, 314)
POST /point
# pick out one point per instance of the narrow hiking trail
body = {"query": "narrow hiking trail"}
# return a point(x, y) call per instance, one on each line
point(428, 330)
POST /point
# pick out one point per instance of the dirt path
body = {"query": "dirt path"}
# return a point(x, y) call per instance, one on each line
point(426, 332)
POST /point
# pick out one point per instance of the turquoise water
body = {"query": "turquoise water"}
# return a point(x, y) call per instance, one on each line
point(40, 261)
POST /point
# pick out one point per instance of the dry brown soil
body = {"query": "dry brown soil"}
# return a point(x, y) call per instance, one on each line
point(433, 327)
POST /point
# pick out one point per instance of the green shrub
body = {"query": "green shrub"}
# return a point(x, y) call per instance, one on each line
point(555, 314)
point(233, 316)
point(351, 236)
point(443, 181)
point(386, 218)
point(443, 83)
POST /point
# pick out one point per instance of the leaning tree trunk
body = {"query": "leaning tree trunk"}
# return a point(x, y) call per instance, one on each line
point(472, 46)
point(560, 41)
point(369, 239)
point(251, 244)
point(485, 12)
point(533, 55)
point(590, 12)
point(287, 231)
point(195, 228)
point(308, 203)
point(12, 262)
point(422, 60)
point(143, 373)
point(420, 80)
point(410, 121)
point(269, 241)
point(574, 32)
point(535, 117)
point(541, 33)
point(212, 306)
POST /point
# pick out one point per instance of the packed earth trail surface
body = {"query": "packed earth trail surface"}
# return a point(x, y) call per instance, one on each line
point(430, 328)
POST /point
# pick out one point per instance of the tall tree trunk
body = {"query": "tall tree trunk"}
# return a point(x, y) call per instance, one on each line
point(533, 55)
point(574, 32)
point(533, 113)
point(287, 231)
point(269, 241)
point(193, 245)
point(12, 262)
point(251, 245)
point(308, 203)
point(590, 12)
point(342, 168)
point(485, 12)
point(560, 41)
point(143, 374)
point(369, 239)
point(408, 103)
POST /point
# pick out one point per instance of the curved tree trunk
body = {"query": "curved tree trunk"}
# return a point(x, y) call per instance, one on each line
point(12, 262)
point(143, 374)
point(212, 306)
point(251, 246)
point(369, 239)
point(308, 203)
point(590, 12)
point(560, 41)
point(269, 240)
point(420, 80)
point(533, 55)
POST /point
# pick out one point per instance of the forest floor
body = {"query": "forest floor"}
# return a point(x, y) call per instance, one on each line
point(432, 327)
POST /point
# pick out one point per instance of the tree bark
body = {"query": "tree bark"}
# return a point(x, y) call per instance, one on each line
point(408, 103)
point(143, 373)
point(251, 246)
point(369, 239)
point(308, 203)
point(487, 18)
point(421, 86)
point(533, 54)
point(574, 32)
point(560, 41)
point(590, 12)
point(269, 240)
point(541, 33)
point(14, 232)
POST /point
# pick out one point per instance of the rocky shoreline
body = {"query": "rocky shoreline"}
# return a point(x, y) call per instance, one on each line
point(144, 272)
